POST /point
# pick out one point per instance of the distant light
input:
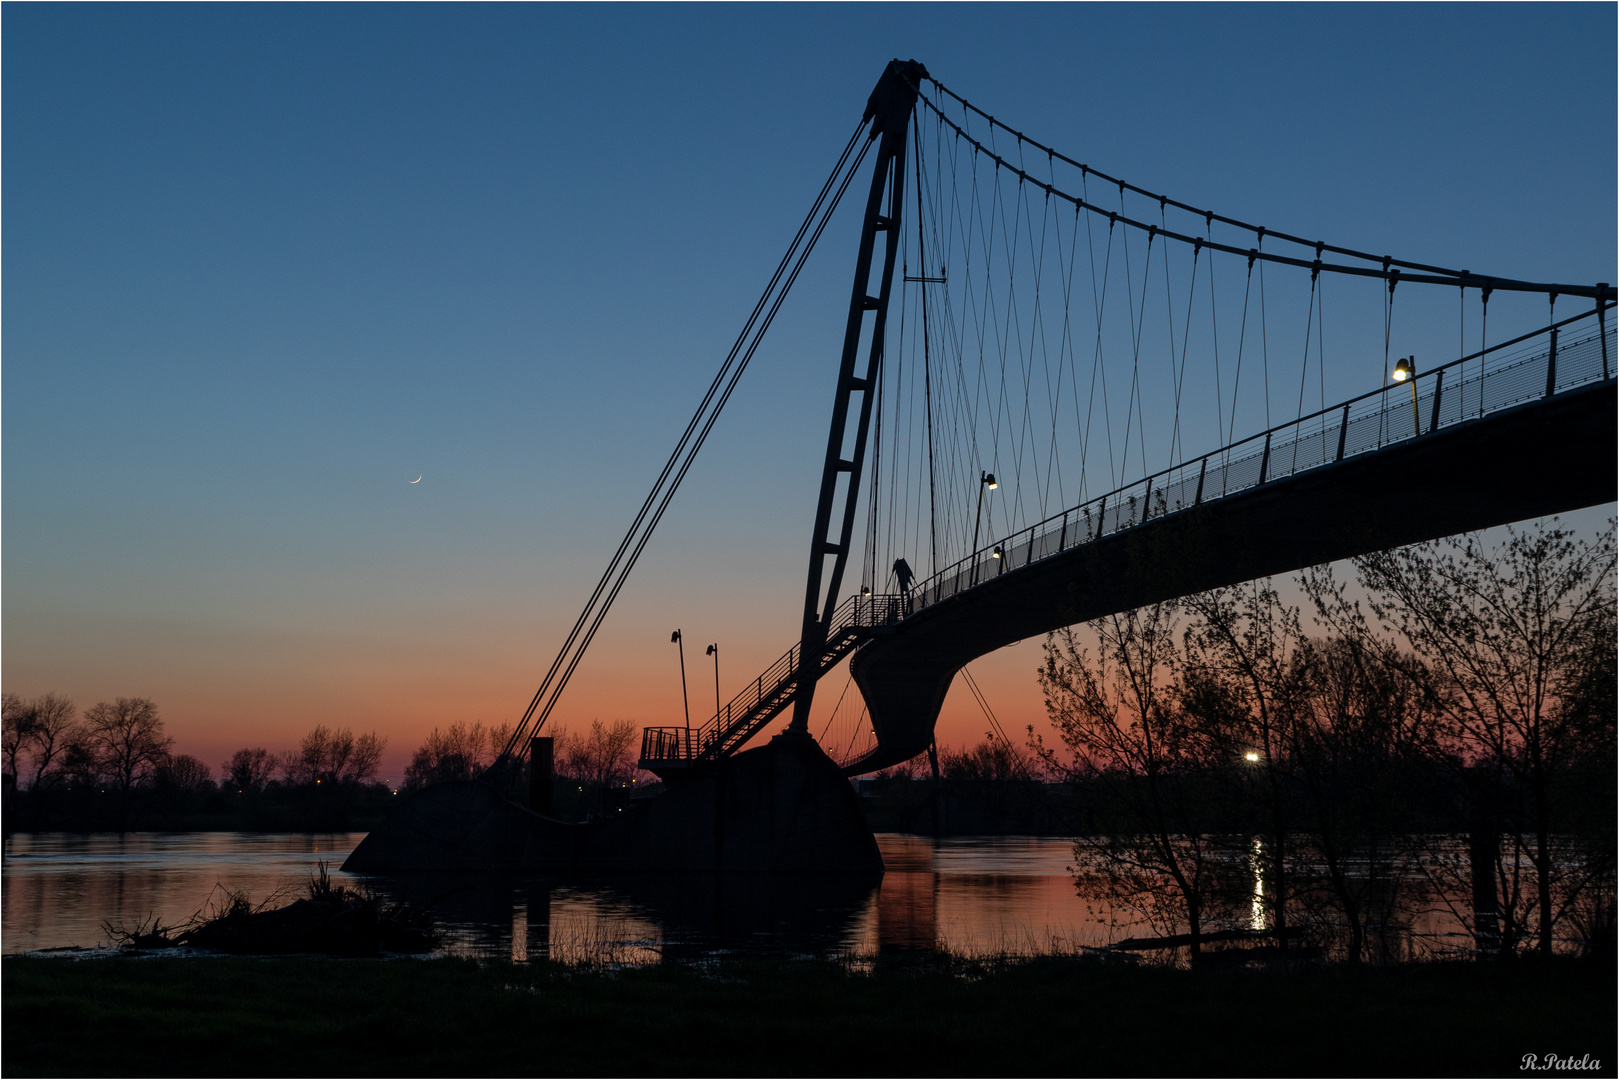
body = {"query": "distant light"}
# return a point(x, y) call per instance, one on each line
point(1405, 369)
point(1252, 755)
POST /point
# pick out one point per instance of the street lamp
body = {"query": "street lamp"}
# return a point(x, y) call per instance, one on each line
point(714, 651)
point(1405, 370)
point(986, 482)
point(684, 700)
point(1251, 757)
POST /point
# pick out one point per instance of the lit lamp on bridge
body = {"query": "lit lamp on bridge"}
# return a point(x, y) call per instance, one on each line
point(714, 651)
point(999, 552)
point(986, 482)
point(685, 701)
point(1405, 370)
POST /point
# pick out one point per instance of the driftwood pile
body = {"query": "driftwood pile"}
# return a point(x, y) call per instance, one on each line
point(330, 919)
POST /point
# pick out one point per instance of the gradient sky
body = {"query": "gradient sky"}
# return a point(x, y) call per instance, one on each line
point(264, 265)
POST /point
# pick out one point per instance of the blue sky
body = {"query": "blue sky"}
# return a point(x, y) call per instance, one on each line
point(264, 265)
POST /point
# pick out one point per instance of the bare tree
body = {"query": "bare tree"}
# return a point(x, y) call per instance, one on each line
point(1510, 633)
point(55, 727)
point(335, 756)
point(1244, 681)
point(185, 773)
point(605, 755)
point(992, 759)
point(17, 722)
point(249, 770)
point(127, 740)
point(1369, 726)
point(458, 752)
point(1127, 736)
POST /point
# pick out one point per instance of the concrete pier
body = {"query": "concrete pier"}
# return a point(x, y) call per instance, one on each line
point(784, 807)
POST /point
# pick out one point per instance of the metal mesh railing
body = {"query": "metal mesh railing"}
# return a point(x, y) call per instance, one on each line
point(771, 692)
point(1556, 358)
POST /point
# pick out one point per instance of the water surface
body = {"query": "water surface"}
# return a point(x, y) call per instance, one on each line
point(972, 894)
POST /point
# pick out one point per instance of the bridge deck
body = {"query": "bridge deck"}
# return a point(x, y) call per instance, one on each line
point(1547, 456)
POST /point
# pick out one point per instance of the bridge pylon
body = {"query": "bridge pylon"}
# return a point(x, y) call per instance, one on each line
point(889, 112)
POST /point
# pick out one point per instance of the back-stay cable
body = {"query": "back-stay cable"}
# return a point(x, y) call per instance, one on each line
point(697, 444)
point(685, 451)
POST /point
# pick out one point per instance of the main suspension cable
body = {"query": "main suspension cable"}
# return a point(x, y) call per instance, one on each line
point(686, 449)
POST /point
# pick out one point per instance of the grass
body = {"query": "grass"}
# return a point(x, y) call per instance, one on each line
point(924, 1016)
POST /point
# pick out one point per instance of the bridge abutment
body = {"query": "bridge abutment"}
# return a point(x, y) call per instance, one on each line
point(784, 807)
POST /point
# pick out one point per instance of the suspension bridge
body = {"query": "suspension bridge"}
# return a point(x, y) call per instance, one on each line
point(1062, 395)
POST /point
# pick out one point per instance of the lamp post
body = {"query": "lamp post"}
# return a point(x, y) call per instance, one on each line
point(986, 482)
point(714, 651)
point(1405, 370)
point(684, 700)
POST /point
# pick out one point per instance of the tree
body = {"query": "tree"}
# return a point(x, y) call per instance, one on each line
point(127, 741)
point(249, 770)
point(335, 756)
point(1243, 682)
point(992, 759)
point(17, 722)
point(1365, 741)
point(1128, 737)
point(183, 772)
point(605, 756)
point(55, 727)
point(1514, 637)
point(456, 753)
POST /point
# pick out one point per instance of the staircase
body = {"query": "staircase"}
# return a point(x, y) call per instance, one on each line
point(666, 749)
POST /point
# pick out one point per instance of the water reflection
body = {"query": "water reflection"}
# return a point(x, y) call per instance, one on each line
point(1257, 919)
point(971, 895)
point(59, 887)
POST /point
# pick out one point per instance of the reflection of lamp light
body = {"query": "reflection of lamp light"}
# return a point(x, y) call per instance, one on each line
point(1251, 756)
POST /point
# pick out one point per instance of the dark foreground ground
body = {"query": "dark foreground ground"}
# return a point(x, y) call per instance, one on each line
point(197, 1016)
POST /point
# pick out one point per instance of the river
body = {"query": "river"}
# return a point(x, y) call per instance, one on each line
point(980, 895)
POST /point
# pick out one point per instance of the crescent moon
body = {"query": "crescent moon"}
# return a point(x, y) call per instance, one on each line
point(417, 480)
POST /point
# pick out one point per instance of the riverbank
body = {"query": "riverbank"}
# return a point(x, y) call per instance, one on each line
point(912, 1016)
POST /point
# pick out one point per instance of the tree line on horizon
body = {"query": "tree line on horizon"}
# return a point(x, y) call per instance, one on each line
point(115, 767)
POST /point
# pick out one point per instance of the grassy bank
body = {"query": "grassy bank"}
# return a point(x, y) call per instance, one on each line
point(232, 1016)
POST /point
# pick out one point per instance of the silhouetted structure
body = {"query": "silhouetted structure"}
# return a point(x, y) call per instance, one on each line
point(1490, 438)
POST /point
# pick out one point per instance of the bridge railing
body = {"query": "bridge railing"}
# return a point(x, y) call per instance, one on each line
point(769, 693)
point(1571, 353)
